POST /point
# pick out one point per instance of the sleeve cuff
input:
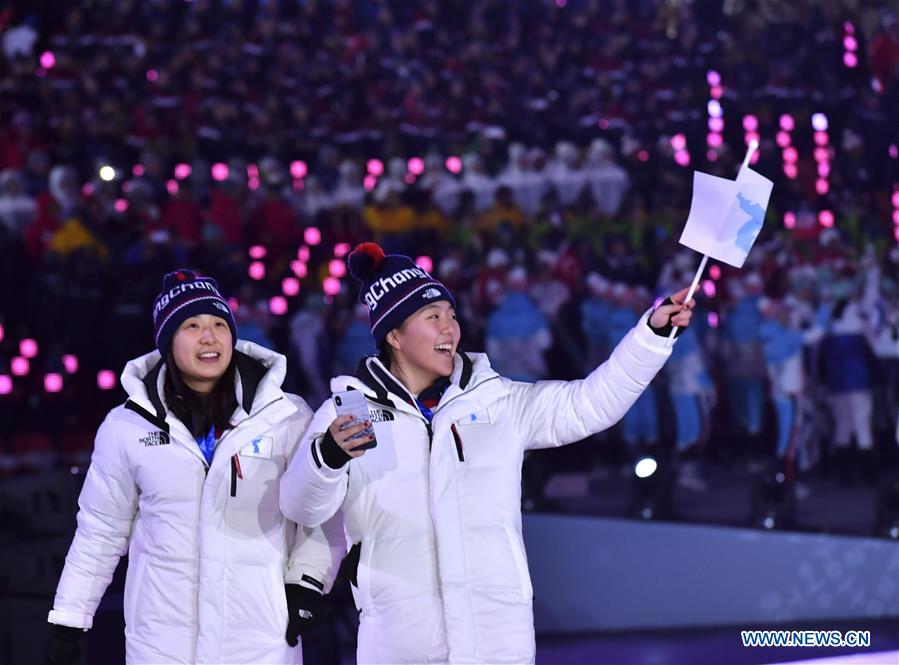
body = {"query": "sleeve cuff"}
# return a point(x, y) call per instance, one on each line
point(320, 461)
point(71, 619)
point(649, 338)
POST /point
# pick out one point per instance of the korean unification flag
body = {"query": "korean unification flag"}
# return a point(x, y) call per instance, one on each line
point(726, 215)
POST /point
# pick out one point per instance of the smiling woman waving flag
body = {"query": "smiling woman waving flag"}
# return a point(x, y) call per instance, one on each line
point(434, 506)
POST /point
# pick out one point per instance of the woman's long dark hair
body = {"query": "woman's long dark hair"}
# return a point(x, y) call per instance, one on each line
point(199, 412)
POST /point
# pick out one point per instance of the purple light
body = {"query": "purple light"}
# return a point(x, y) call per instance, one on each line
point(714, 140)
point(312, 236)
point(256, 270)
point(822, 154)
point(257, 252)
point(750, 137)
point(790, 171)
point(708, 288)
point(425, 263)
point(896, 233)
point(121, 205)
point(298, 185)
point(561, 4)
point(299, 268)
point(127, 186)
point(341, 249)
point(783, 139)
point(369, 182)
point(790, 219)
point(453, 164)
point(643, 156)
point(822, 186)
point(5, 384)
point(716, 91)
point(750, 123)
point(895, 199)
point(105, 379)
point(219, 171)
point(2, 332)
point(714, 108)
point(850, 60)
point(233, 304)
point(277, 305)
point(715, 272)
point(48, 60)
point(375, 167)
point(678, 141)
point(682, 157)
point(603, 123)
point(713, 78)
point(331, 286)
point(416, 165)
point(138, 170)
point(152, 75)
point(253, 184)
point(409, 179)
point(787, 123)
point(28, 348)
point(87, 189)
point(821, 138)
point(825, 217)
point(823, 169)
point(336, 268)
point(790, 155)
point(303, 253)
point(896, 217)
point(849, 43)
point(716, 124)
point(40, 72)
point(19, 366)
point(711, 155)
point(252, 171)
point(848, 28)
point(182, 171)
point(171, 186)
point(290, 286)
point(819, 122)
point(298, 169)
point(52, 382)
point(713, 319)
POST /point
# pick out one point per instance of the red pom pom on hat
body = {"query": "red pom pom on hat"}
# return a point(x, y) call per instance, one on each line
point(365, 260)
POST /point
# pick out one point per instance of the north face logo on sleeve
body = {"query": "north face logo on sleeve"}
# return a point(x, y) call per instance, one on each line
point(155, 439)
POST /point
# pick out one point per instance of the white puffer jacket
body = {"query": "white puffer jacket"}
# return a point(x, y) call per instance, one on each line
point(209, 551)
point(442, 574)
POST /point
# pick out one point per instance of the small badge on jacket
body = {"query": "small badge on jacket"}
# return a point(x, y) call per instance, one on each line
point(261, 447)
point(481, 417)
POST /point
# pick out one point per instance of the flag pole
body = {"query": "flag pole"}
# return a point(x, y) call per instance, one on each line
point(753, 146)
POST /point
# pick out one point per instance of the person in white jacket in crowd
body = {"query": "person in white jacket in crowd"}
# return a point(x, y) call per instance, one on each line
point(434, 509)
point(184, 477)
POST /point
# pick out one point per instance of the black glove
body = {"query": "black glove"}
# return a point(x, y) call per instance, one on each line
point(665, 330)
point(63, 644)
point(303, 607)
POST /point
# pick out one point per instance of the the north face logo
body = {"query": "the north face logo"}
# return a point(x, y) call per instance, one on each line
point(380, 415)
point(430, 293)
point(155, 439)
point(221, 306)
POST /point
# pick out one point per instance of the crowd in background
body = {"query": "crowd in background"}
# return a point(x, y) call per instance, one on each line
point(523, 150)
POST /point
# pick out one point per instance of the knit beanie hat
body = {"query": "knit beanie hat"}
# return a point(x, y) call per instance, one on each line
point(186, 294)
point(393, 287)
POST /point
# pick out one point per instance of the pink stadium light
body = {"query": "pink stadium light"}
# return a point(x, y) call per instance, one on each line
point(643, 156)
point(453, 164)
point(171, 186)
point(848, 28)
point(341, 249)
point(290, 286)
point(823, 169)
point(682, 157)
point(152, 75)
point(825, 218)
point(28, 348)
point(895, 199)
point(303, 253)
point(409, 179)
point(416, 165)
point(375, 167)
point(708, 288)
point(791, 171)
point(52, 382)
point(821, 138)
point(790, 155)
point(783, 139)
point(70, 363)
point(121, 205)
point(2, 332)
point(819, 122)
point(850, 60)
point(750, 123)
point(5, 384)
point(822, 186)
point(258, 252)
point(331, 286)
point(787, 123)
point(790, 219)
point(298, 168)
point(312, 236)
point(138, 170)
point(48, 60)
point(425, 263)
point(822, 154)
point(896, 217)
point(716, 124)
point(678, 141)
point(849, 43)
point(299, 268)
point(714, 140)
point(277, 305)
point(713, 319)
point(713, 78)
point(256, 270)
point(337, 268)
point(715, 272)
point(233, 304)
point(750, 137)
point(252, 171)
point(219, 171)
point(106, 379)
point(253, 184)
point(19, 366)
point(711, 155)
point(716, 91)
point(87, 189)
point(182, 171)
point(369, 182)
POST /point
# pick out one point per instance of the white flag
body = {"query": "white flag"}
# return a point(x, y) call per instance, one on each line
point(726, 215)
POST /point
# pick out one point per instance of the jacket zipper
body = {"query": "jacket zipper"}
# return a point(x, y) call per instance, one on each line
point(233, 477)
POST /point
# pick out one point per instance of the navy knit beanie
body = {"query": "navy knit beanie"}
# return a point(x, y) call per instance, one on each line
point(186, 294)
point(393, 287)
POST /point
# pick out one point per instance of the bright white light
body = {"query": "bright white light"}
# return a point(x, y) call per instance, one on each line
point(107, 173)
point(645, 467)
point(714, 107)
point(819, 122)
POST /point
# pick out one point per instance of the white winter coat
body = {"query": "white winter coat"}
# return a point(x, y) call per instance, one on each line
point(442, 574)
point(209, 552)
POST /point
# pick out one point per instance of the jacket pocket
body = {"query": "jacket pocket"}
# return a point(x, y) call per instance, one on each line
point(363, 577)
point(134, 578)
point(517, 546)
